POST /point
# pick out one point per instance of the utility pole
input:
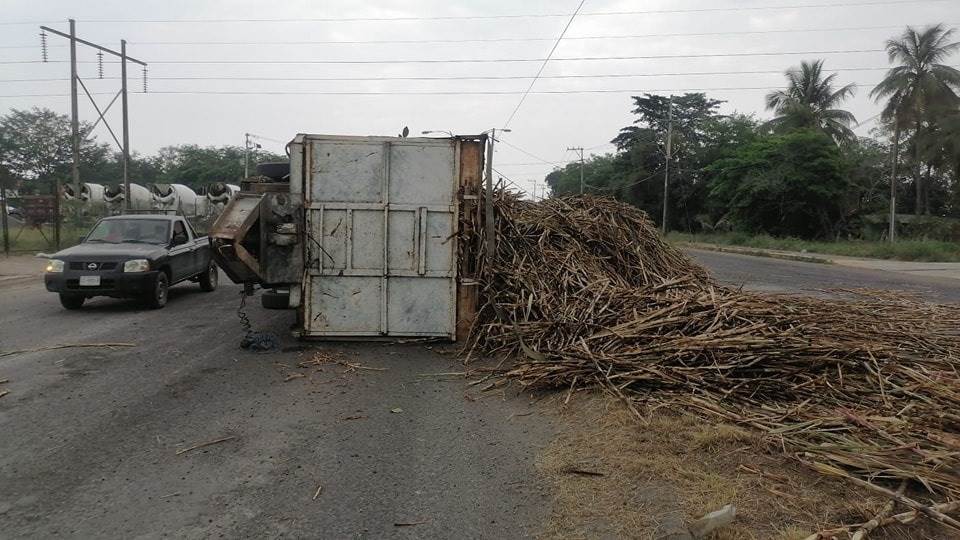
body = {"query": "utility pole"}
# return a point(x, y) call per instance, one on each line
point(74, 112)
point(666, 170)
point(249, 146)
point(580, 150)
point(893, 182)
point(488, 210)
point(126, 126)
point(3, 214)
point(246, 155)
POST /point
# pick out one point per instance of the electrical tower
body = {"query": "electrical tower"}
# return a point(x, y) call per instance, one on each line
point(74, 109)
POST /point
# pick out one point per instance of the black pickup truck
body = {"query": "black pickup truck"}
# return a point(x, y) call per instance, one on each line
point(131, 256)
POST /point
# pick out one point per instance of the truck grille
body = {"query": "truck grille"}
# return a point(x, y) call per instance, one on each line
point(77, 265)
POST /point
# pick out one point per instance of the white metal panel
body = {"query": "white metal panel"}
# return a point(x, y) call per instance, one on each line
point(403, 243)
point(345, 305)
point(346, 172)
point(382, 213)
point(419, 305)
point(421, 174)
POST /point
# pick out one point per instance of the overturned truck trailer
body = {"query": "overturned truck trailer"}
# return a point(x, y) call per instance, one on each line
point(363, 233)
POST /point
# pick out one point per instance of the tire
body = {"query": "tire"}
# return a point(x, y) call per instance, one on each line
point(275, 300)
point(210, 278)
point(276, 170)
point(157, 298)
point(71, 301)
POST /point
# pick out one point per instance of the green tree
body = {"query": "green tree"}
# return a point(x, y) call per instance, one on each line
point(197, 166)
point(868, 164)
point(642, 155)
point(811, 100)
point(788, 185)
point(634, 174)
point(918, 86)
point(37, 151)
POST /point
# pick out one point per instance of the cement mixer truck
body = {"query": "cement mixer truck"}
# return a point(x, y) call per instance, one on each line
point(114, 196)
point(176, 198)
point(89, 193)
point(219, 195)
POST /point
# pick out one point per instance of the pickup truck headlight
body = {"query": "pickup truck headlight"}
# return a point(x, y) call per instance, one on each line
point(136, 265)
point(54, 266)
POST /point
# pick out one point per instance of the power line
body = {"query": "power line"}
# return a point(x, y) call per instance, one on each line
point(54, 95)
point(600, 146)
point(498, 60)
point(503, 39)
point(544, 64)
point(12, 23)
point(536, 163)
point(471, 77)
point(495, 17)
point(509, 180)
point(514, 39)
point(470, 60)
point(471, 92)
point(439, 93)
point(521, 150)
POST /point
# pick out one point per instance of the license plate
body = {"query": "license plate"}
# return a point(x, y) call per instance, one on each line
point(89, 281)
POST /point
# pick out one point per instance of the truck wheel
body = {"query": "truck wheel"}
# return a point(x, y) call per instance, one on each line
point(157, 298)
point(71, 301)
point(275, 300)
point(209, 279)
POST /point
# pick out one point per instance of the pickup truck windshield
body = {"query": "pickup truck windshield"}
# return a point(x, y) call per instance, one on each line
point(143, 231)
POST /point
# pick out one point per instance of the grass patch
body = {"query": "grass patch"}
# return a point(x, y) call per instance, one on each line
point(902, 250)
point(31, 240)
point(660, 475)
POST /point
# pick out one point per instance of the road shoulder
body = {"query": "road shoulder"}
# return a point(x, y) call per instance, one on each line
point(929, 269)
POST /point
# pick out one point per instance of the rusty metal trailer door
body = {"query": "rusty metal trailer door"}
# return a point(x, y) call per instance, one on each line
point(381, 219)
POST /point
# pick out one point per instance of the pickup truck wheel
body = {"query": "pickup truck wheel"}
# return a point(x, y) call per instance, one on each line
point(157, 298)
point(71, 301)
point(209, 279)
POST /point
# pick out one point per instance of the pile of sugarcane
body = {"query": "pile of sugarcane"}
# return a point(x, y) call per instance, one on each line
point(859, 384)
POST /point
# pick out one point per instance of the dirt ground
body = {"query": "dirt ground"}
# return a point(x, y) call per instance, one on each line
point(614, 476)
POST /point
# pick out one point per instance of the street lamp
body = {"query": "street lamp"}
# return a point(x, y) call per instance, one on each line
point(429, 131)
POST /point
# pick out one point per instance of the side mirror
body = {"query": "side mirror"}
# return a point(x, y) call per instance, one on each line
point(179, 239)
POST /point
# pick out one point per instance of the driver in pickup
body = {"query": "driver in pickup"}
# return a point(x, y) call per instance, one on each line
point(179, 233)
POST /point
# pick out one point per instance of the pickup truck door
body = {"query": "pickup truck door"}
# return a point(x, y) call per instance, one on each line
point(202, 253)
point(201, 250)
point(182, 258)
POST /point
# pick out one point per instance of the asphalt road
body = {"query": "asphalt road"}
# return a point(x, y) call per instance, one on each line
point(89, 438)
point(777, 275)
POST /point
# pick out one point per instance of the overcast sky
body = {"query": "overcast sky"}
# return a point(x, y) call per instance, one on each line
point(546, 124)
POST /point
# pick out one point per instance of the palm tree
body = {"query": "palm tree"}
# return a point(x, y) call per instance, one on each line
point(918, 86)
point(811, 101)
